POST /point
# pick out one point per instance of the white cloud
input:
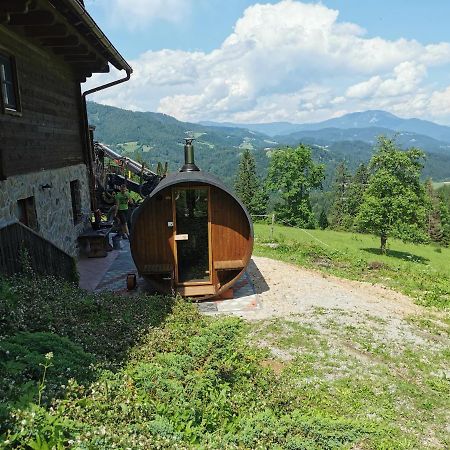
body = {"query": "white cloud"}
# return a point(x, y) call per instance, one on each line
point(405, 78)
point(285, 61)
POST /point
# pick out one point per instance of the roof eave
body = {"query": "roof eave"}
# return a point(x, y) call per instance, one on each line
point(116, 59)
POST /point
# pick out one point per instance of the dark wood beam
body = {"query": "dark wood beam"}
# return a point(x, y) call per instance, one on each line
point(88, 70)
point(67, 41)
point(89, 58)
point(33, 18)
point(57, 30)
point(14, 6)
point(79, 50)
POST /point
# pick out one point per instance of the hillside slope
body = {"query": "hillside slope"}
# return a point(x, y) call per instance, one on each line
point(155, 137)
point(158, 137)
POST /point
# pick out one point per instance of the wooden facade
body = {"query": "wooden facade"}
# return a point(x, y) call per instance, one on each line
point(217, 237)
point(47, 132)
point(51, 47)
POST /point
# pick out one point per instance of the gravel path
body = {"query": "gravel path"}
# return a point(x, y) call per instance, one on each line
point(285, 289)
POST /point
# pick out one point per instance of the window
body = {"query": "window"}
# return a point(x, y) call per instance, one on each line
point(27, 212)
point(8, 84)
point(75, 193)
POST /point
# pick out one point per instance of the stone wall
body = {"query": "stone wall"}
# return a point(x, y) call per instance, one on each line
point(53, 205)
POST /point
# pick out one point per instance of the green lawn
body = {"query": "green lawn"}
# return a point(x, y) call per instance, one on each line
point(422, 271)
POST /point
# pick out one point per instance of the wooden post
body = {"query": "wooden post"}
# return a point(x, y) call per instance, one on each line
point(271, 227)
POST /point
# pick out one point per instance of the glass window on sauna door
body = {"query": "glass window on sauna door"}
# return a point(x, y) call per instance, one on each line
point(192, 237)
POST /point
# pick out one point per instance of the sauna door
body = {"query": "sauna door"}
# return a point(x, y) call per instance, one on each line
point(191, 217)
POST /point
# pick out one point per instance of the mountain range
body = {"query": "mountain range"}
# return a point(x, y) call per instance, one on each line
point(365, 119)
point(155, 137)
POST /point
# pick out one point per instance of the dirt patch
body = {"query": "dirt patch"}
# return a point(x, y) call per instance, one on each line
point(276, 365)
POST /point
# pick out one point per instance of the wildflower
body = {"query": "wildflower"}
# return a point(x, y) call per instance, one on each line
point(49, 356)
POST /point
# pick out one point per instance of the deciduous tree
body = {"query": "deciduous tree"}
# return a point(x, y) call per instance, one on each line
point(394, 202)
point(292, 175)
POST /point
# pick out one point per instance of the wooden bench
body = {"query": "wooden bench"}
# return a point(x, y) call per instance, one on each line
point(229, 265)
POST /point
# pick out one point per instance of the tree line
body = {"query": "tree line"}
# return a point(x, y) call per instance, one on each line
point(385, 197)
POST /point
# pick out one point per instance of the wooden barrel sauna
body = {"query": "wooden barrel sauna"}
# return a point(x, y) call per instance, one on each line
point(191, 235)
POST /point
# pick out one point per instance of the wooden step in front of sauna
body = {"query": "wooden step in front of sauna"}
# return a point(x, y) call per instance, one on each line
point(196, 290)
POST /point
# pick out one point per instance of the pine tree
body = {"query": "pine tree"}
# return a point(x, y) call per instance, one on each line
point(435, 229)
point(339, 215)
point(248, 187)
point(323, 220)
point(355, 193)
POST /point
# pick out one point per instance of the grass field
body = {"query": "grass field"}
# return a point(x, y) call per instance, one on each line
point(422, 271)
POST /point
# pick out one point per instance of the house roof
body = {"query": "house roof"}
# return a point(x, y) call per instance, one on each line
point(66, 28)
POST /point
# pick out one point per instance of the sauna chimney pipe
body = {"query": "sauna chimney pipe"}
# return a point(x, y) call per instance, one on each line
point(189, 164)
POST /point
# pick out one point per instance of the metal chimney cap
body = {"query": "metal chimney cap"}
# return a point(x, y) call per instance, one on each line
point(189, 164)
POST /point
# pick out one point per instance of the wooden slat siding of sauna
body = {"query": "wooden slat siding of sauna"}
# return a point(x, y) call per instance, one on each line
point(47, 135)
point(152, 237)
point(229, 265)
point(196, 290)
point(45, 257)
point(230, 228)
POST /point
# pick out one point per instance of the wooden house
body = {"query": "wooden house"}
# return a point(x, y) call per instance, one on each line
point(191, 235)
point(47, 48)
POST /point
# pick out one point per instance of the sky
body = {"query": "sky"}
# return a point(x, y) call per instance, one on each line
point(297, 61)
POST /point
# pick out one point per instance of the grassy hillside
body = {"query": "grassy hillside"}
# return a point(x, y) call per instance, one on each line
point(421, 271)
point(155, 137)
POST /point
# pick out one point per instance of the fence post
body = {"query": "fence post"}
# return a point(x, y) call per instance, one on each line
point(271, 227)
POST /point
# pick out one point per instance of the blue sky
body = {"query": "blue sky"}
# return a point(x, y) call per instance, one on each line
point(247, 61)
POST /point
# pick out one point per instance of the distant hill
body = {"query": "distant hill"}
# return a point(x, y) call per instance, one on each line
point(158, 137)
point(366, 119)
point(369, 135)
point(271, 129)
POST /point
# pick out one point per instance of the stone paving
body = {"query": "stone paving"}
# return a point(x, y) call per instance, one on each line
point(115, 278)
point(245, 299)
point(110, 274)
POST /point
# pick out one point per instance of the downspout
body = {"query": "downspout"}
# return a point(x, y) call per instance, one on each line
point(89, 144)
